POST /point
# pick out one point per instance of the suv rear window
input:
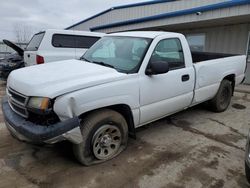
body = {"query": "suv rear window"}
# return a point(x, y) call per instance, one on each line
point(73, 41)
point(35, 42)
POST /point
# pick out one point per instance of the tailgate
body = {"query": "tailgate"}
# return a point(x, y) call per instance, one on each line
point(30, 58)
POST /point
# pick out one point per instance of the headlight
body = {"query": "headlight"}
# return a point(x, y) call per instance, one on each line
point(39, 103)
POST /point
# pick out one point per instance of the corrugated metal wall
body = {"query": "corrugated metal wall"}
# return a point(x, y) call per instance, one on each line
point(117, 15)
point(191, 18)
point(224, 39)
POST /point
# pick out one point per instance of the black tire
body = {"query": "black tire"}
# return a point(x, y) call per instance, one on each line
point(85, 152)
point(222, 99)
point(247, 172)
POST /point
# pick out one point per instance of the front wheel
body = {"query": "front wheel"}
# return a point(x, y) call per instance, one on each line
point(222, 99)
point(105, 135)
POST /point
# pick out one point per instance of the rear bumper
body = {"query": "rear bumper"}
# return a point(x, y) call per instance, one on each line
point(27, 131)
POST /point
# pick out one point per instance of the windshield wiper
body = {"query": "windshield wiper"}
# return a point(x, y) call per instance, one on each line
point(103, 64)
point(98, 62)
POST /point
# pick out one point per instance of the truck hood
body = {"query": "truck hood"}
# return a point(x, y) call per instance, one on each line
point(57, 78)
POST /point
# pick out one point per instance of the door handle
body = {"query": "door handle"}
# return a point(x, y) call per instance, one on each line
point(185, 77)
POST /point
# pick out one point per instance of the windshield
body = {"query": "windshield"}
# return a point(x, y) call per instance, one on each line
point(125, 54)
point(35, 42)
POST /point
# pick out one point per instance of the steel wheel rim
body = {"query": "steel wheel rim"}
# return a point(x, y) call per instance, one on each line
point(106, 142)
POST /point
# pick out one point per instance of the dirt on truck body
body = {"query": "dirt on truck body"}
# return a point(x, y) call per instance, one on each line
point(178, 151)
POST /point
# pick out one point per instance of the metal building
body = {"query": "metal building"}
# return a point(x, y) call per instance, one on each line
point(209, 25)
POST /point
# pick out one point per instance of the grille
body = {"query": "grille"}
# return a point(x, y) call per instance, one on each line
point(18, 102)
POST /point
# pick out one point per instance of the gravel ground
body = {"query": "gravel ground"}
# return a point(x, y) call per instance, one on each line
point(194, 148)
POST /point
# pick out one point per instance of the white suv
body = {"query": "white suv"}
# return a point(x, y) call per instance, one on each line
point(55, 45)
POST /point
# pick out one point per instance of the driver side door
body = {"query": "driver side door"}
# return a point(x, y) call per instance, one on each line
point(170, 92)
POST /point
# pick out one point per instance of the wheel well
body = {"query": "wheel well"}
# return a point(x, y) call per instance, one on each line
point(231, 78)
point(125, 111)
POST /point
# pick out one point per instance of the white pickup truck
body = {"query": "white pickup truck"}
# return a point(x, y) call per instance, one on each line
point(122, 82)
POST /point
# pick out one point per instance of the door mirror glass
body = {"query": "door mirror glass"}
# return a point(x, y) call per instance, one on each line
point(157, 67)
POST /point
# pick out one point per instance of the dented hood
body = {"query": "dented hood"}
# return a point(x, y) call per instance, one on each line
point(57, 78)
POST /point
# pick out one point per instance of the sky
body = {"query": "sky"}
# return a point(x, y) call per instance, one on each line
point(35, 15)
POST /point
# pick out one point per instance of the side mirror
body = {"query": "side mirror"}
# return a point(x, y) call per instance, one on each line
point(157, 67)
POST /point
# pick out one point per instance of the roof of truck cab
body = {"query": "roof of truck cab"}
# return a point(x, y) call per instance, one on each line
point(73, 32)
point(144, 34)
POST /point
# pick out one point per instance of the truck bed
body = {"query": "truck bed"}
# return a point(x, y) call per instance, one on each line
point(204, 56)
point(211, 68)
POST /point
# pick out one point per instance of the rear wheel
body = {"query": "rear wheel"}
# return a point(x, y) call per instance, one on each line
point(222, 99)
point(105, 135)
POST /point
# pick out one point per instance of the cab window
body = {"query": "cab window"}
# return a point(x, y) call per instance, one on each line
point(73, 41)
point(170, 51)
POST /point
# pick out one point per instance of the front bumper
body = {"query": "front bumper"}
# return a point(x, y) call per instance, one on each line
point(27, 131)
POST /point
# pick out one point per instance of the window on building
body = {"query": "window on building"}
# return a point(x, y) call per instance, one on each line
point(196, 42)
point(73, 41)
point(169, 50)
